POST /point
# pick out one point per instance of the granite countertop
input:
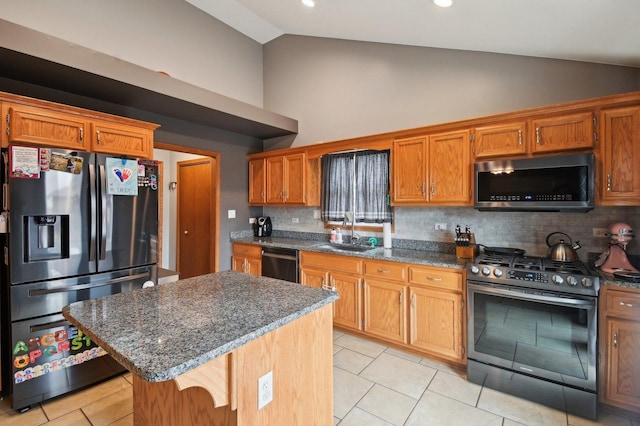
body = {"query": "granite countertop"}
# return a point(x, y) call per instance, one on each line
point(419, 257)
point(161, 332)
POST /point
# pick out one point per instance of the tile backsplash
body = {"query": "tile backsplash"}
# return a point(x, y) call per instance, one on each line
point(525, 230)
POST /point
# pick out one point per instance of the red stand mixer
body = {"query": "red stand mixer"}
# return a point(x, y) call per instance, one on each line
point(615, 260)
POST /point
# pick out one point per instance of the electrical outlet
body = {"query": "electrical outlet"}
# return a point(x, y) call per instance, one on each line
point(231, 214)
point(295, 219)
point(441, 227)
point(316, 214)
point(252, 220)
point(600, 232)
point(265, 390)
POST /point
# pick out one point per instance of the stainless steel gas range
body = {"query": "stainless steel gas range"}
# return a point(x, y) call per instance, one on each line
point(532, 330)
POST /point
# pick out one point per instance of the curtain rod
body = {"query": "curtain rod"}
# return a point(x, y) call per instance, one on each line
point(348, 151)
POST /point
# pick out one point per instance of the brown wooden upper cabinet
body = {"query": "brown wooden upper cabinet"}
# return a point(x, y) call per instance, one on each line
point(284, 179)
point(549, 134)
point(121, 139)
point(45, 127)
point(49, 127)
point(432, 169)
point(500, 140)
point(562, 133)
point(257, 181)
point(619, 177)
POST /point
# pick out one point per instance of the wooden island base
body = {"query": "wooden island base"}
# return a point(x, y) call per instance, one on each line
point(224, 391)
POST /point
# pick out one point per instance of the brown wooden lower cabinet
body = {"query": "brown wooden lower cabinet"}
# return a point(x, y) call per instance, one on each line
point(413, 306)
point(620, 347)
point(247, 258)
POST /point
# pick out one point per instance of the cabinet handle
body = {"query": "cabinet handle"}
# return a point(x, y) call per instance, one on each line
point(433, 188)
point(434, 278)
point(262, 194)
point(98, 135)
point(81, 134)
point(400, 301)
point(333, 284)
point(538, 135)
point(609, 182)
point(424, 188)
point(615, 339)
point(413, 301)
point(629, 305)
point(383, 271)
point(519, 137)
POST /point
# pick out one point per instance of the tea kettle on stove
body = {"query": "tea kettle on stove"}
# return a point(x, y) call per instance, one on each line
point(562, 251)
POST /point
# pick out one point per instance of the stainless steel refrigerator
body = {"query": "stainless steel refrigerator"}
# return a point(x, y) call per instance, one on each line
point(70, 237)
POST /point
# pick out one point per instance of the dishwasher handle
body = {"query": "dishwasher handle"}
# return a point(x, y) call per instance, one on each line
point(279, 256)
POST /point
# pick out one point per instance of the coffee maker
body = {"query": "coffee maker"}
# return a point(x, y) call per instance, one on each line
point(262, 227)
point(615, 260)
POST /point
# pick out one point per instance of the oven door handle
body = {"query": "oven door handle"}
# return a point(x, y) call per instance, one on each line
point(529, 296)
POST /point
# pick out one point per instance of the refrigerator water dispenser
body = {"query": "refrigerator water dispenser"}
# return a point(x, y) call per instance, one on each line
point(46, 237)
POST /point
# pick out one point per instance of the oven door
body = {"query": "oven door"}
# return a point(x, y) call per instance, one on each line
point(539, 334)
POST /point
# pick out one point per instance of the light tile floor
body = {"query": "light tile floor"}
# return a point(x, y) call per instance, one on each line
point(373, 385)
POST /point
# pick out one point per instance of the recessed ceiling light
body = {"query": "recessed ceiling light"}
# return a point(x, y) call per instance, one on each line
point(443, 3)
point(309, 3)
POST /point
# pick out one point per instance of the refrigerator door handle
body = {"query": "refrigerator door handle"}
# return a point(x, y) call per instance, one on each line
point(103, 221)
point(40, 327)
point(42, 292)
point(93, 205)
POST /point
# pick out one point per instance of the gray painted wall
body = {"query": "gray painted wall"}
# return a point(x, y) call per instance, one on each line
point(340, 89)
point(162, 35)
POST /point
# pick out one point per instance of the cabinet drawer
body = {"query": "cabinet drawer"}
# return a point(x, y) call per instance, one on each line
point(331, 262)
point(435, 278)
point(625, 302)
point(386, 270)
point(247, 250)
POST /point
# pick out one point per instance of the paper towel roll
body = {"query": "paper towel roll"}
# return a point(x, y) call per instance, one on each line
point(386, 234)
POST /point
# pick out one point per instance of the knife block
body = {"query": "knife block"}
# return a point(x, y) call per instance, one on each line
point(466, 252)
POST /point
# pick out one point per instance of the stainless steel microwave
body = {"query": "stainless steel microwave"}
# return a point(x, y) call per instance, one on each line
point(559, 183)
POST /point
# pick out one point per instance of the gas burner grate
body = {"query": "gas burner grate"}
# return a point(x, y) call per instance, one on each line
point(494, 260)
point(527, 262)
point(575, 268)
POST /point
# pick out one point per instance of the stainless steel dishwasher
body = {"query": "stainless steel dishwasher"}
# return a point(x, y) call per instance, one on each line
point(281, 263)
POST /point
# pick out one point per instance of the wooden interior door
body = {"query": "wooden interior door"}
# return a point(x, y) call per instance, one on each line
point(196, 210)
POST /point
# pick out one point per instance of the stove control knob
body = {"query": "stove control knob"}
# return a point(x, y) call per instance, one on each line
point(572, 281)
point(486, 271)
point(497, 272)
point(557, 279)
point(474, 270)
point(587, 282)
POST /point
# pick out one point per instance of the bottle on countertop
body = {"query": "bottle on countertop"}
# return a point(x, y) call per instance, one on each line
point(338, 236)
point(333, 236)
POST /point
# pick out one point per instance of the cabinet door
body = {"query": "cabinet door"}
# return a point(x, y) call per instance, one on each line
point(620, 155)
point(45, 127)
point(275, 180)
point(623, 357)
point(347, 310)
point(449, 168)
point(295, 176)
point(313, 277)
point(121, 139)
point(257, 181)
point(500, 140)
point(562, 133)
point(409, 171)
point(239, 264)
point(385, 310)
point(436, 322)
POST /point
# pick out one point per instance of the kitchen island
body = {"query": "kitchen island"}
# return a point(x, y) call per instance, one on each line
point(197, 348)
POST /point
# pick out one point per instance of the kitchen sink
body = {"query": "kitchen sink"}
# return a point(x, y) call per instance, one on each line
point(344, 247)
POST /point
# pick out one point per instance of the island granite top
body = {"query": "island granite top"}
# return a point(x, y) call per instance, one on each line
point(161, 332)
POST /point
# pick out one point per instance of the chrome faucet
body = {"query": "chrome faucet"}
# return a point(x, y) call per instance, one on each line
point(349, 217)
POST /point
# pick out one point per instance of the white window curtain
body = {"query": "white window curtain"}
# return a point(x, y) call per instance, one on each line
point(356, 182)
